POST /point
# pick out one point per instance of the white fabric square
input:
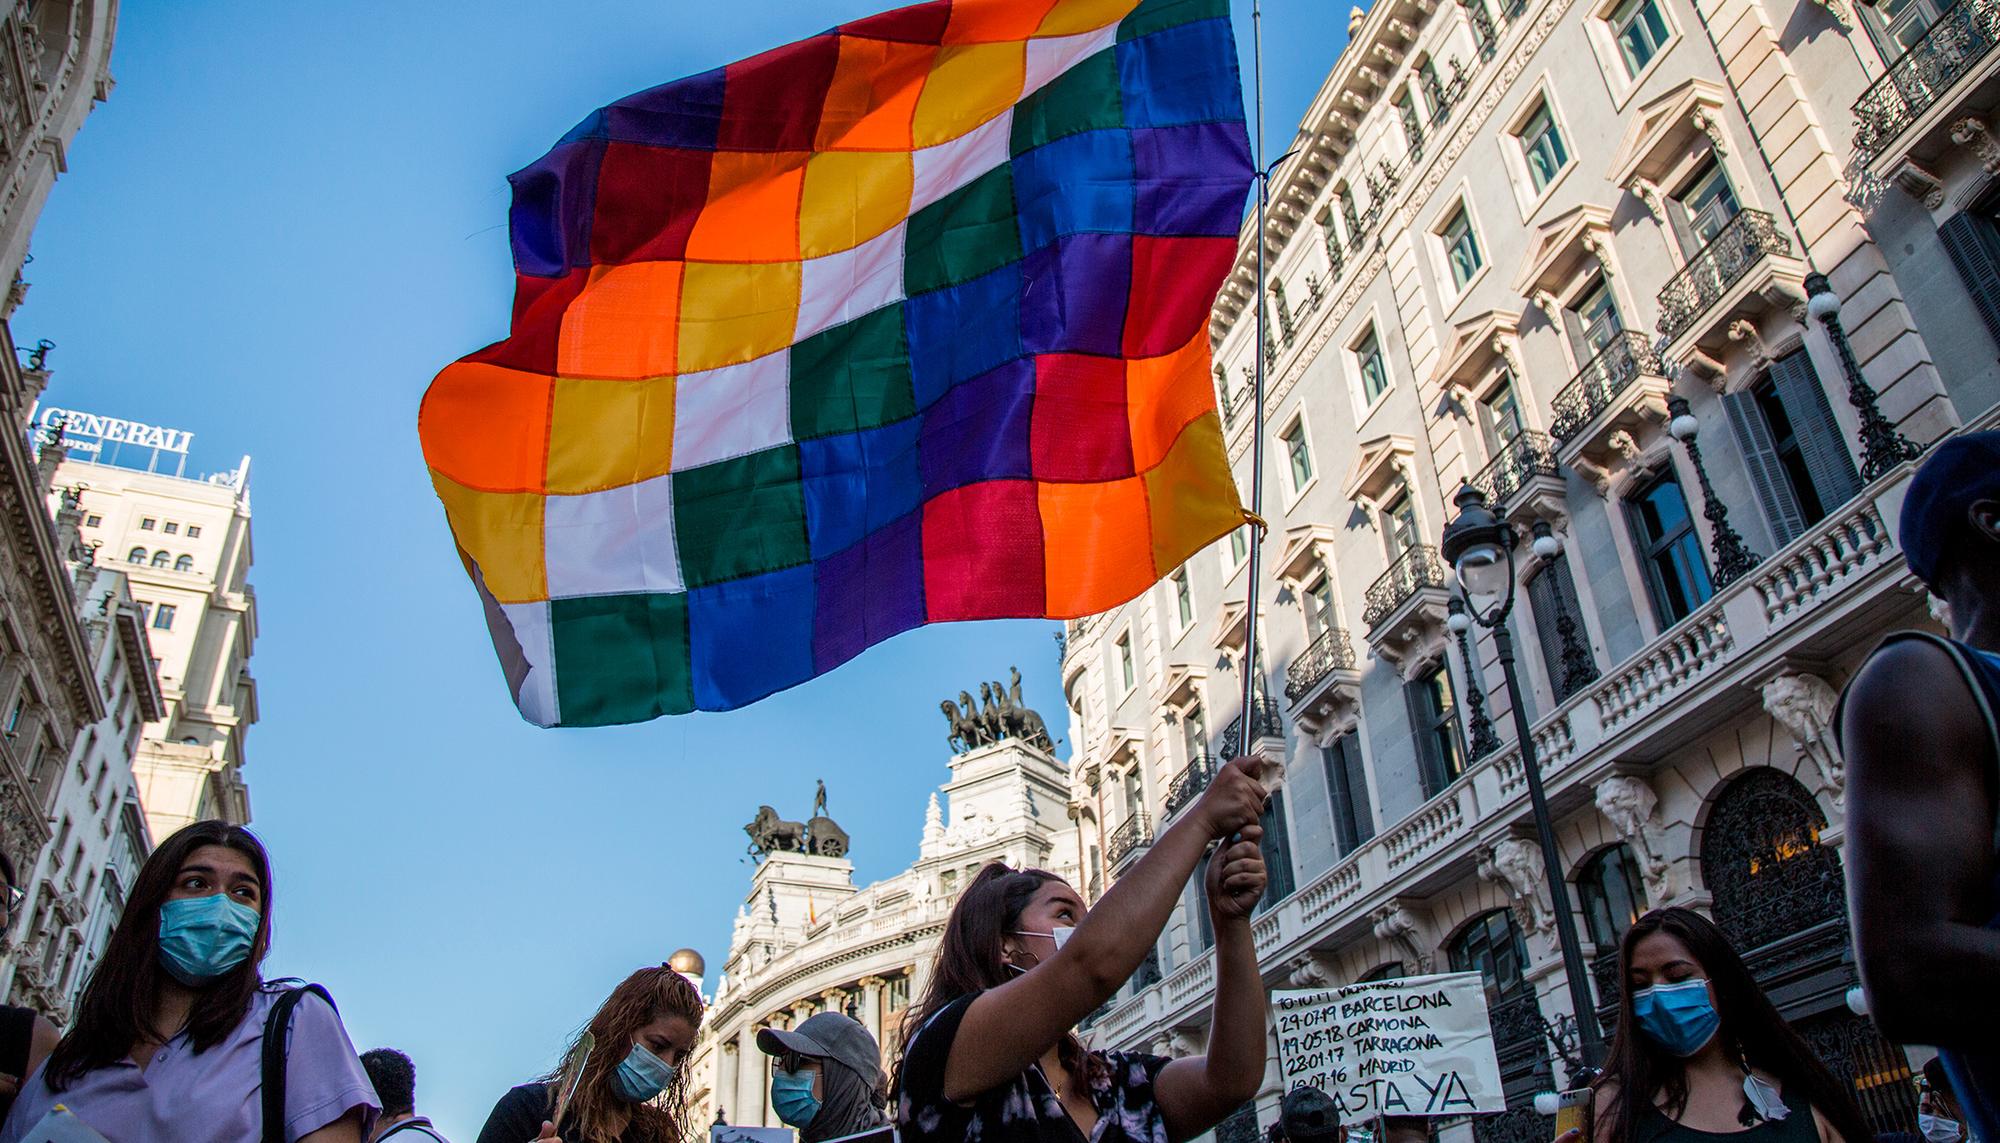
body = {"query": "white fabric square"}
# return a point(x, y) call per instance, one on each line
point(1052, 56)
point(616, 541)
point(529, 629)
point(841, 287)
point(946, 167)
point(732, 411)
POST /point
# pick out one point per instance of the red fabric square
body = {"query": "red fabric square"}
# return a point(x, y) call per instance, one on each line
point(917, 24)
point(1080, 429)
point(647, 198)
point(1171, 299)
point(772, 102)
point(538, 310)
point(983, 552)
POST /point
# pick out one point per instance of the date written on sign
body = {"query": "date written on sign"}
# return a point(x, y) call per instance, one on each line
point(1420, 1045)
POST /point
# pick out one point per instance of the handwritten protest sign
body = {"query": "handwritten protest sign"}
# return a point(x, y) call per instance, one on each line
point(1420, 1045)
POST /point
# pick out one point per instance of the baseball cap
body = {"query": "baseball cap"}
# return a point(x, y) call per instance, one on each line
point(829, 1036)
point(1309, 1116)
point(1958, 472)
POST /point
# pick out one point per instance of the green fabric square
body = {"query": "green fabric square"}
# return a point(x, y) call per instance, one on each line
point(1156, 15)
point(1084, 98)
point(969, 232)
point(740, 517)
point(851, 377)
point(621, 658)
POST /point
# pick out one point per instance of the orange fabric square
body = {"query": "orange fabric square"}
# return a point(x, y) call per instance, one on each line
point(992, 21)
point(1162, 394)
point(1191, 494)
point(625, 323)
point(753, 208)
point(874, 95)
point(1099, 545)
point(486, 427)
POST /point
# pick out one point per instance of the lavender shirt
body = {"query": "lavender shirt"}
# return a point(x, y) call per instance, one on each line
point(215, 1097)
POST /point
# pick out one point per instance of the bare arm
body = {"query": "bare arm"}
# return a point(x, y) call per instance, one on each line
point(41, 1042)
point(1197, 1093)
point(1008, 1028)
point(1920, 848)
point(346, 1129)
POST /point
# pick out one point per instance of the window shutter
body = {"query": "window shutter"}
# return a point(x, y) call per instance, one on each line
point(1973, 241)
point(1347, 789)
point(1430, 767)
point(1277, 847)
point(1819, 435)
point(1542, 600)
point(1760, 454)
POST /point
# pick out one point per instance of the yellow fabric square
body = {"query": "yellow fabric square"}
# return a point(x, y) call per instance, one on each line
point(605, 434)
point(1070, 17)
point(501, 534)
point(969, 84)
point(734, 312)
point(851, 197)
point(622, 324)
point(1191, 495)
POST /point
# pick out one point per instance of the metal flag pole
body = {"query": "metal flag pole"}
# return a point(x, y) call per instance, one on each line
point(1255, 516)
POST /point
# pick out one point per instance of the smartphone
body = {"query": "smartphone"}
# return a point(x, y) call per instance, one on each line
point(1571, 1108)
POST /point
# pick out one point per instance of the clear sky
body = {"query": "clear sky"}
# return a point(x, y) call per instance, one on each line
point(286, 219)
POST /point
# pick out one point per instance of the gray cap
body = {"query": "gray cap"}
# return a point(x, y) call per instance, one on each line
point(829, 1036)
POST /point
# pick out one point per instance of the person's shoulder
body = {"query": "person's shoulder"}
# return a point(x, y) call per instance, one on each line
point(1905, 661)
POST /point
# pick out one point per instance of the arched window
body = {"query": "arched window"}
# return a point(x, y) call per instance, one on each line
point(1491, 945)
point(1609, 886)
point(161, 558)
point(1762, 860)
point(185, 563)
point(136, 556)
point(1388, 970)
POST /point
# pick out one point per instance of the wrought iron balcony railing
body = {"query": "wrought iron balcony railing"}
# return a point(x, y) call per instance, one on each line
point(1265, 723)
point(1419, 568)
point(1135, 834)
point(1959, 38)
point(1528, 455)
point(1743, 242)
point(1330, 651)
point(1600, 382)
point(1189, 783)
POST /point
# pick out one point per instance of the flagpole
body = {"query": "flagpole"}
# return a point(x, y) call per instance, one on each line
point(1257, 525)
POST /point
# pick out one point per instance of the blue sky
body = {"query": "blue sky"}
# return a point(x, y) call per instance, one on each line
point(286, 219)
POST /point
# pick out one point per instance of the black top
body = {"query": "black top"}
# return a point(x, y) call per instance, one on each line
point(1026, 1110)
point(17, 1033)
point(1798, 1127)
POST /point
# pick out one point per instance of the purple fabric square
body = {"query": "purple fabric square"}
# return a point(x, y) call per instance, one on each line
point(979, 430)
point(1191, 179)
point(684, 113)
point(554, 198)
point(1075, 294)
point(869, 592)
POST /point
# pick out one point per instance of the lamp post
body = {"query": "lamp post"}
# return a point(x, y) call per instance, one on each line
point(1882, 447)
point(1732, 556)
point(1480, 548)
point(1484, 741)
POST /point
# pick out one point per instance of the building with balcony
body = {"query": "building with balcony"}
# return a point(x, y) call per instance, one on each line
point(1514, 237)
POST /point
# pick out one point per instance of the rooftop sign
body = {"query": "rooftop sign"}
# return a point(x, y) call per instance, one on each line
point(89, 432)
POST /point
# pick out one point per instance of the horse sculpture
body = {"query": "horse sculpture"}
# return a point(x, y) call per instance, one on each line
point(965, 731)
point(770, 833)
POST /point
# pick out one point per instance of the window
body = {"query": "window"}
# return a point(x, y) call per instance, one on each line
point(1335, 259)
point(194, 531)
point(1593, 321)
point(1374, 370)
point(1194, 732)
point(1319, 607)
point(1347, 787)
point(1552, 597)
point(1897, 25)
point(1298, 455)
point(171, 528)
point(1427, 72)
point(1972, 239)
point(162, 558)
point(1797, 456)
point(1543, 148)
point(1135, 794)
point(1125, 672)
point(1399, 525)
point(1670, 552)
point(1350, 215)
point(1461, 247)
point(1277, 846)
point(1500, 414)
point(1239, 548)
point(184, 563)
point(1183, 599)
point(93, 521)
point(1641, 31)
point(1202, 928)
point(1703, 207)
point(136, 556)
point(147, 524)
point(1612, 899)
point(163, 617)
point(1434, 716)
point(1492, 947)
point(1413, 123)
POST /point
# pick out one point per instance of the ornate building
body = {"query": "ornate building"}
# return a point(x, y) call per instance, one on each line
point(1635, 270)
point(807, 940)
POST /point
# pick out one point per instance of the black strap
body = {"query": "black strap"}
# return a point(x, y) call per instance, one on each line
point(276, 1027)
point(410, 1125)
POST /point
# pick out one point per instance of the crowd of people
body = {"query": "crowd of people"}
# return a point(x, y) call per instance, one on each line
point(177, 1034)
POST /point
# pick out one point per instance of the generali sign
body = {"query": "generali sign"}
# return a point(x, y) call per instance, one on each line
point(112, 430)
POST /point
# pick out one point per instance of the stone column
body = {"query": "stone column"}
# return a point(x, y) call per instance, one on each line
point(725, 1079)
point(751, 1091)
point(871, 1005)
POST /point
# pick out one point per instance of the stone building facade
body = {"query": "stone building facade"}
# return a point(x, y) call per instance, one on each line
point(1568, 252)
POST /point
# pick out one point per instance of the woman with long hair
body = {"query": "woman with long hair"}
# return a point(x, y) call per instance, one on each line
point(168, 1038)
point(990, 1052)
point(1700, 1051)
point(621, 1081)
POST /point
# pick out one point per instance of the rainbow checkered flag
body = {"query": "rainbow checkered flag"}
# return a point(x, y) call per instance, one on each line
point(900, 324)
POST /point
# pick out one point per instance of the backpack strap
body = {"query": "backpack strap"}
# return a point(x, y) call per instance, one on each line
point(277, 1027)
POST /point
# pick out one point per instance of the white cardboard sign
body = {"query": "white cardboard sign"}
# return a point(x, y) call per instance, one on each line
point(1420, 1045)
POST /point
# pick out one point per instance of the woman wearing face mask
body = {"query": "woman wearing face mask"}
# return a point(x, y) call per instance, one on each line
point(1700, 1051)
point(989, 1052)
point(612, 1093)
point(1938, 1117)
point(828, 1080)
point(169, 1033)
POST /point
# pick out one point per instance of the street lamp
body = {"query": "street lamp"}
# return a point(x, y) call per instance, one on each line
point(1480, 547)
point(1882, 447)
point(1733, 557)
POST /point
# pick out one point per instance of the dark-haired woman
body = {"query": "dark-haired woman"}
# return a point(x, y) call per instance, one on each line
point(613, 1091)
point(169, 1033)
point(989, 1052)
point(1700, 1052)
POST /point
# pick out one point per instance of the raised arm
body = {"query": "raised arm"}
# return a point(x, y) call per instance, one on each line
point(1009, 1028)
point(1920, 808)
point(1199, 1092)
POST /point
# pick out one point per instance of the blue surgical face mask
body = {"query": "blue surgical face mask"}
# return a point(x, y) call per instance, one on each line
point(641, 1075)
point(202, 938)
point(1678, 1017)
point(793, 1099)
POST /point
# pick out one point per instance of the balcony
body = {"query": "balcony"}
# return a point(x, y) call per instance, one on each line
point(1129, 840)
point(1264, 723)
point(1527, 460)
point(1418, 570)
point(1323, 685)
point(1604, 410)
point(1406, 607)
point(1747, 262)
point(1956, 50)
point(1189, 783)
point(1331, 651)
